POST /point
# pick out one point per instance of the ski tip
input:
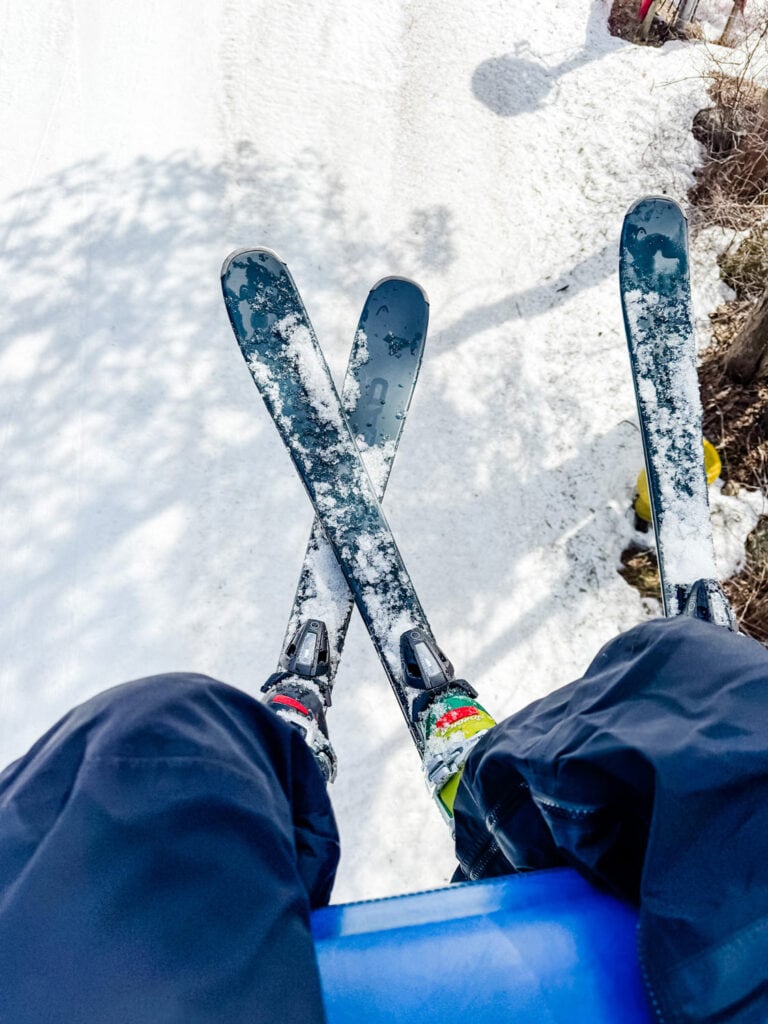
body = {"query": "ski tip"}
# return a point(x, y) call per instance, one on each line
point(396, 281)
point(655, 213)
point(653, 225)
point(260, 254)
point(654, 202)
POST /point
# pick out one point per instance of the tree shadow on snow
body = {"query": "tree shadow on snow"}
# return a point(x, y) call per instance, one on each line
point(139, 472)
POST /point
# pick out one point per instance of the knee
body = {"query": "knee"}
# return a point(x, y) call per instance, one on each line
point(177, 715)
point(171, 715)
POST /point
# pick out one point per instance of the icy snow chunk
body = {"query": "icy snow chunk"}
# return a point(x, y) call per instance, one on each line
point(378, 461)
point(360, 356)
point(301, 347)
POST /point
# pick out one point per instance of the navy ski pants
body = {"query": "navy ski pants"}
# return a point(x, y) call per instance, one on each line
point(160, 850)
point(650, 776)
point(162, 846)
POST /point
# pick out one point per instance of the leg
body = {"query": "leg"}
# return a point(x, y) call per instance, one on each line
point(160, 849)
point(649, 775)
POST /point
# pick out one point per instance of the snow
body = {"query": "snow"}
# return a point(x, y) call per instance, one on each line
point(151, 519)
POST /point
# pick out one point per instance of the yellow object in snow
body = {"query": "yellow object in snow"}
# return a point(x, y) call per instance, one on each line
point(712, 465)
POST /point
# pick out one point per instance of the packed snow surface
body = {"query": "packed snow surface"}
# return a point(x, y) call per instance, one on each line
point(151, 519)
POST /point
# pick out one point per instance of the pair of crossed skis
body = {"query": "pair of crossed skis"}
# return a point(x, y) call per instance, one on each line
point(352, 556)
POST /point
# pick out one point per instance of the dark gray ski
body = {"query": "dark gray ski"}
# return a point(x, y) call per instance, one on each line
point(656, 300)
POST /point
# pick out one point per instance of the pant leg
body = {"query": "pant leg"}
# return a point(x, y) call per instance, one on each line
point(650, 775)
point(160, 849)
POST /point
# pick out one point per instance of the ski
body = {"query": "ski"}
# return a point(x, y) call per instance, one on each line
point(656, 302)
point(378, 386)
point(282, 353)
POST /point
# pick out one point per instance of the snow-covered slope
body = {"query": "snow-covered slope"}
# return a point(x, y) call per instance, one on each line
point(150, 518)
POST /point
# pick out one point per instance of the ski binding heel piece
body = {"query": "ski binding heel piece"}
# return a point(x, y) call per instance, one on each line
point(449, 717)
point(301, 693)
point(307, 656)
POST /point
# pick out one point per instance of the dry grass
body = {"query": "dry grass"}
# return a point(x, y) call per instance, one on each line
point(748, 590)
point(622, 20)
point(640, 569)
point(731, 189)
point(745, 268)
point(736, 421)
point(735, 415)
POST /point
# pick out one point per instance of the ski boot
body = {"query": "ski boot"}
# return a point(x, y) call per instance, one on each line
point(449, 718)
point(300, 693)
